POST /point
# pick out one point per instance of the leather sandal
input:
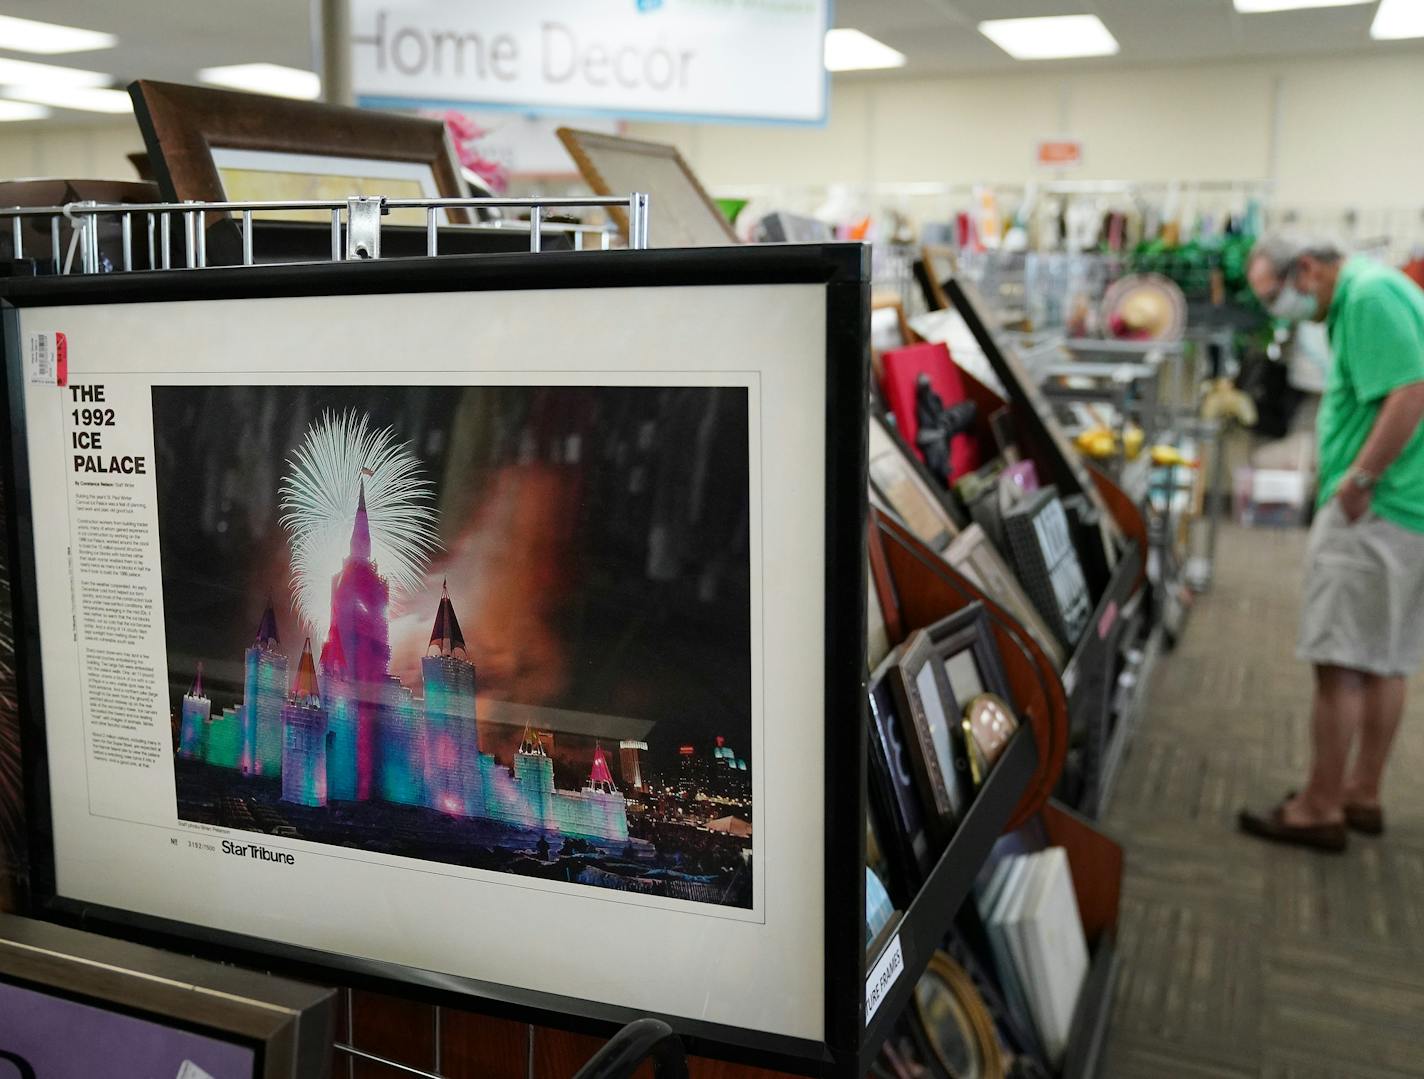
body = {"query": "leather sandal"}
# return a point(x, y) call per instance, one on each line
point(1272, 826)
point(1368, 820)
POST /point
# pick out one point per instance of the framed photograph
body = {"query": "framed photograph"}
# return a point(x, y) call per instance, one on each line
point(964, 645)
point(894, 795)
point(929, 723)
point(213, 145)
point(905, 491)
point(525, 625)
point(1047, 561)
point(77, 1004)
point(685, 216)
point(974, 556)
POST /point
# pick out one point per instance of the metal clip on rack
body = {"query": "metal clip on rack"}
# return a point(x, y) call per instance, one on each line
point(362, 227)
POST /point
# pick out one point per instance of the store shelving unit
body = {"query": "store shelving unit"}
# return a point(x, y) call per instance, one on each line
point(922, 930)
point(1089, 679)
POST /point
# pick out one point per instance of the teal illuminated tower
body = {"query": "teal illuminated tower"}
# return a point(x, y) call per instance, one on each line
point(452, 750)
point(304, 738)
point(197, 710)
point(264, 694)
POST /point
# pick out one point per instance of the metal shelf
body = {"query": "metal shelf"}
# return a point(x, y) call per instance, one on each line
point(1089, 1032)
point(922, 930)
point(355, 225)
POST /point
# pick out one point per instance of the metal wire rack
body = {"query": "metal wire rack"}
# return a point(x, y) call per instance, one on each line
point(356, 226)
point(356, 229)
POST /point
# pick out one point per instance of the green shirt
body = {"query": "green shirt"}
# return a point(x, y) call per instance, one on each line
point(1376, 324)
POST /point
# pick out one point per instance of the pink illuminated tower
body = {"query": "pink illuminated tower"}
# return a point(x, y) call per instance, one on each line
point(359, 597)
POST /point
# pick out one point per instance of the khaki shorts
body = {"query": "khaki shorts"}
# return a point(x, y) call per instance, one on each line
point(1364, 594)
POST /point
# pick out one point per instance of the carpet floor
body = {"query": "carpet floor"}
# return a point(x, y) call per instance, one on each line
point(1240, 958)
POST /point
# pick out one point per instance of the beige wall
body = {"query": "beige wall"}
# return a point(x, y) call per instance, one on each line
point(1331, 132)
point(91, 151)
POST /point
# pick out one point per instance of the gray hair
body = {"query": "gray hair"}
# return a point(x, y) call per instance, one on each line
point(1283, 249)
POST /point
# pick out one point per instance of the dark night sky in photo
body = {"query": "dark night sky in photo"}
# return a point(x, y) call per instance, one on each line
point(594, 540)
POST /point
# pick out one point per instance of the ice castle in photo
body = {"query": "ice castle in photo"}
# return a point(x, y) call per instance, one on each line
point(347, 730)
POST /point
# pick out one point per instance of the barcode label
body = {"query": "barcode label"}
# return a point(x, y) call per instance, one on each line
point(42, 361)
point(48, 359)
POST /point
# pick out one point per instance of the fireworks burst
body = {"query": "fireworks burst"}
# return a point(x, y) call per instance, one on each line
point(318, 501)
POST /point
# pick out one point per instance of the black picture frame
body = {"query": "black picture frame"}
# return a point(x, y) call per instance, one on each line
point(1046, 558)
point(966, 634)
point(942, 770)
point(894, 795)
point(968, 630)
point(843, 271)
point(287, 1026)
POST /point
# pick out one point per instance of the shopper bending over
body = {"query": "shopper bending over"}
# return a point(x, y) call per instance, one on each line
point(1362, 626)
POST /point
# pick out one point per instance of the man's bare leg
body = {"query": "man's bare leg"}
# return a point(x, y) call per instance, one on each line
point(1384, 707)
point(1338, 713)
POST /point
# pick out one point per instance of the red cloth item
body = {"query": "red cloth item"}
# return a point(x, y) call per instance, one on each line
point(902, 368)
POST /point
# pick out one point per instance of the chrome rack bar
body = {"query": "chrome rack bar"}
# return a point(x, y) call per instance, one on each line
point(363, 225)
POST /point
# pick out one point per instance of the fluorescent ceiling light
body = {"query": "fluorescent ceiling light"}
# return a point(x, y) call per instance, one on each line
point(1397, 19)
point(265, 79)
point(26, 35)
point(83, 98)
point(16, 110)
point(851, 50)
point(28, 73)
point(1255, 7)
point(1051, 37)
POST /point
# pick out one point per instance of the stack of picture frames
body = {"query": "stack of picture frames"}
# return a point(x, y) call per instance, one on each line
point(966, 670)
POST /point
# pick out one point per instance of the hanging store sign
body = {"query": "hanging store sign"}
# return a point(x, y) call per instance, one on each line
point(741, 60)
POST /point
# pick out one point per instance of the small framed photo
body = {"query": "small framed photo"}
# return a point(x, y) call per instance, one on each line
point(973, 555)
point(905, 492)
point(964, 647)
point(930, 723)
point(894, 796)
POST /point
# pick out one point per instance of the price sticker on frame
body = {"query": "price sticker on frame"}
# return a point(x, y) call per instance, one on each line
point(49, 359)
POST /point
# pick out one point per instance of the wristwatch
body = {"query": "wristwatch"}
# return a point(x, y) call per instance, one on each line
point(1361, 478)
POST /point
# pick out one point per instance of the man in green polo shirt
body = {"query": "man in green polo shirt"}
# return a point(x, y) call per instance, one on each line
point(1362, 623)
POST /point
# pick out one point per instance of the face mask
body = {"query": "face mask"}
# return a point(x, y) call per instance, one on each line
point(1294, 305)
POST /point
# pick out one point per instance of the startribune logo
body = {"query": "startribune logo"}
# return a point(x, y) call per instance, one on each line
point(258, 851)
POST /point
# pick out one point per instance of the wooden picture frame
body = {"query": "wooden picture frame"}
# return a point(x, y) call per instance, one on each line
point(946, 996)
point(685, 215)
point(929, 721)
point(973, 555)
point(183, 125)
point(897, 479)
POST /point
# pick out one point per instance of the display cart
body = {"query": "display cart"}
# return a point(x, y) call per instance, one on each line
point(162, 255)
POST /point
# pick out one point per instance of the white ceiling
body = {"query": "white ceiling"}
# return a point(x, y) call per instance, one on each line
point(939, 36)
point(171, 39)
